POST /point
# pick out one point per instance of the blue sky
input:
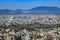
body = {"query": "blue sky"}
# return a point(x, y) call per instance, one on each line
point(27, 4)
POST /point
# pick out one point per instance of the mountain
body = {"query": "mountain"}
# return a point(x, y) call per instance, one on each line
point(10, 12)
point(35, 10)
point(45, 10)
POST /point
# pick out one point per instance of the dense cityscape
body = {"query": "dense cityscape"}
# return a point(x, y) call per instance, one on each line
point(29, 19)
point(30, 27)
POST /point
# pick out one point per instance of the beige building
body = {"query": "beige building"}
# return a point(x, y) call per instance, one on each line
point(9, 37)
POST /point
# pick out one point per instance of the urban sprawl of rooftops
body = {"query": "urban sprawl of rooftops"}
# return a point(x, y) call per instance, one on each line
point(20, 27)
point(30, 19)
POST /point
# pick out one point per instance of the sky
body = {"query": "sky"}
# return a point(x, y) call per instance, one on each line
point(27, 4)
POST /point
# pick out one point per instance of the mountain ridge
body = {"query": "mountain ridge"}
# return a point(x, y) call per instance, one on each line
point(35, 10)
